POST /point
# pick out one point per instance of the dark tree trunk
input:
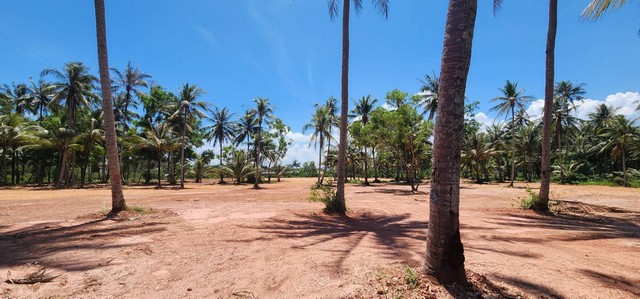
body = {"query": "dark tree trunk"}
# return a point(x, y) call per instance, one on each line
point(344, 109)
point(445, 253)
point(545, 165)
point(117, 196)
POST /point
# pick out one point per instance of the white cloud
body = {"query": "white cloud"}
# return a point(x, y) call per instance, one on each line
point(625, 102)
point(299, 149)
point(484, 120)
point(535, 109)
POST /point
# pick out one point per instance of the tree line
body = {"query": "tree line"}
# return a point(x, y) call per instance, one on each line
point(52, 132)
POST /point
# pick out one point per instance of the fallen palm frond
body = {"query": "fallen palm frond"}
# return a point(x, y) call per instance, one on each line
point(35, 277)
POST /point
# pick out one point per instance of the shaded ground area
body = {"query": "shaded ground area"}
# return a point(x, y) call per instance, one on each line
point(227, 241)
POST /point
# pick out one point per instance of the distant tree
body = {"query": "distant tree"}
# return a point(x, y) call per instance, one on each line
point(41, 92)
point(262, 112)
point(430, 94)
point(222, 130)
point(320, 124)
point(620, 134)
point(511, 98)
point(363, 108)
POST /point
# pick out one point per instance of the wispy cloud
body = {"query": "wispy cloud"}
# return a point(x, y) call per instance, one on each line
point(207, 36)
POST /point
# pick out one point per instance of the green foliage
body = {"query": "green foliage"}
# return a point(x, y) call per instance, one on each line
point(411, 277)
point(325, 195)
point(530, 201)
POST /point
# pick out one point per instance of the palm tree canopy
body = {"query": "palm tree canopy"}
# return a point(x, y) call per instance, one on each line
point(511, 98)
point(598, 8)
point(363, 108)
point(382, 6)
point(320, 123)
point(430, 94)
point(222, 128)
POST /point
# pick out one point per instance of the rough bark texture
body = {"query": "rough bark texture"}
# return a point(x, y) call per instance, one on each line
point(258, 141)
point(344, 108)
point(184, 130)
point(117, 197)
point(445, 253)
point(545, 165)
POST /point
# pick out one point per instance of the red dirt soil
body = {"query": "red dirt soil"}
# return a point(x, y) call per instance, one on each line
point(228, 241)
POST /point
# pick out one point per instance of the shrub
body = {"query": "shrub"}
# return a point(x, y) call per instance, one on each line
point(411, 277)
point(529, 201)
point(326, 195)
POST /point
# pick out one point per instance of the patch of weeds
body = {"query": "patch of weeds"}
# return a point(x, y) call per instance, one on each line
point(141, 210)
point(529, 201)
point(411, 277)
point(325, 195)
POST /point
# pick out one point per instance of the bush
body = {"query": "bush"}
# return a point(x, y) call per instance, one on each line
point(326, 195)
point(529, 201)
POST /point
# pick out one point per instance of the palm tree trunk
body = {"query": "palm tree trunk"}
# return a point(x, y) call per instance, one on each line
point(320, 161)
point(221, 172)
point(184, 130)
point(513, 146)
point(545, 164)
point(366, 167)
point(62, 174)
point(159, 172)
point(445, 253)
point(257, 146)
point(624, 168)
point(344, 108)
point(117, 196)
point(560, 158)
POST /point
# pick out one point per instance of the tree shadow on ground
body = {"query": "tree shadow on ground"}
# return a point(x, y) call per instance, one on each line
point(631, 287)
point(539, 290)
point(591, 223)
point(392, 234)
point(51, 245)
point(393, 191)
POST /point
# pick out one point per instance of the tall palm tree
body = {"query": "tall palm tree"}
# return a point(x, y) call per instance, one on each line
point(188, 107)
point(383, 7)
point(334, 121)
point(320, 124)
point(430, 94)
point(598, 8)
point(75, 87)
point(363, 108)
point(117, 196)
point(245, 127)
point(566, 94)
point(223, 129)
point(262, 112)
point(130, 80)
point(511, 98)
point(445, 253)
point(620, 134)
point(41, 92)
point(601, 116)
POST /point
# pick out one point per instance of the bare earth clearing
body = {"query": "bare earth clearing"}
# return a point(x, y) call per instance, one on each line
point(227, 241)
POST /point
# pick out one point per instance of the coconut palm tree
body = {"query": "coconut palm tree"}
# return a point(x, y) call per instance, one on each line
point(159, 139)
point(41, 92)
point(511, 98)
point(383, 8)
point(223, 129)
point(320, 124)
point(18, 96)
point(14, 133)
point(87, 140)
point(245, 127)
point(334, 121)
point(430, 94)
point(620, 134)
point(445, 253)
point(130, 80)
point(363, 108)
point(262, 112)
point(238, 165)
point(188, 108)
point(117, 196)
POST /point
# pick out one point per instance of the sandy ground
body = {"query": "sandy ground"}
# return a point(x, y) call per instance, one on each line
point(227, 241)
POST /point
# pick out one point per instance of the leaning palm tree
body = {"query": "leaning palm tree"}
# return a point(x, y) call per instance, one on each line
point(511, 98)
point(320, 124)
point(444, 258)
point(430, 94)
point(620, 134)
point(262, 112)
point(117, 196)
point(188, 108)
point(363, 108)
point(222, 130)
point(130, 81)
point(383, 7)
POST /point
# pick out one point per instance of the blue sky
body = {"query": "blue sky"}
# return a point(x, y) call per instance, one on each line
point(289, 51)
